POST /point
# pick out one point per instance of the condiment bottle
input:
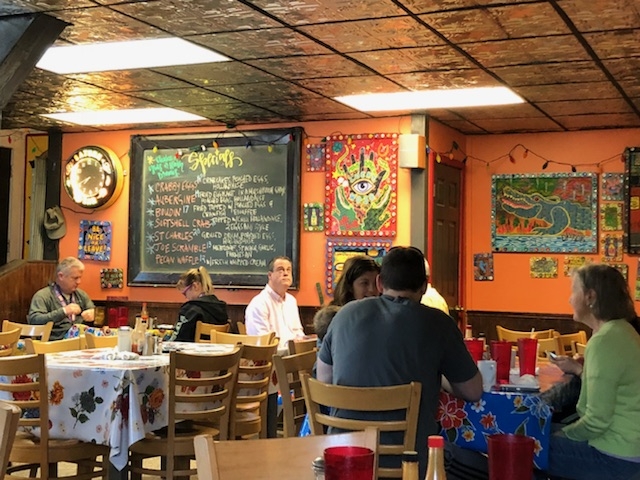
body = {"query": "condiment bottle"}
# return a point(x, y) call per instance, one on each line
point(144, 315)
point(318, 468)
point(435, 467)
point(410, 465)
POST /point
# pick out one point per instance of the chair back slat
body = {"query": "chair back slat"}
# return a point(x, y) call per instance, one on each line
point(504, 334)
point(39, 332)
point(9, 416)
point(203, 331)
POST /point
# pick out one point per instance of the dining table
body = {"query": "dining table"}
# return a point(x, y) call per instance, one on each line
point(469, 424)
point(112, 398)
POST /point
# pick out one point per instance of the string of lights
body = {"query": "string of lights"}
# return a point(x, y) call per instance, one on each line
point(520, 151)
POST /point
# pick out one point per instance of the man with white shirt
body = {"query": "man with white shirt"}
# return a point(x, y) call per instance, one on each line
point(432, 297)
point(275, 310)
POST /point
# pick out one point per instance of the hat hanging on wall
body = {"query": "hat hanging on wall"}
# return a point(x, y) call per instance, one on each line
point(54, 223)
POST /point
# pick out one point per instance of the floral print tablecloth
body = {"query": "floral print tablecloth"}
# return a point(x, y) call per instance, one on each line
point(468, 424)
point(111, 402)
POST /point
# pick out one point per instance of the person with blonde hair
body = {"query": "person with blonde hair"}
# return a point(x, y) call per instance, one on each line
point(432, 297)
point(195, 284)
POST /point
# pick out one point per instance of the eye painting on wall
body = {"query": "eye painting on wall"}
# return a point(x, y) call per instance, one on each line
point(544, 213)
point(361, 183)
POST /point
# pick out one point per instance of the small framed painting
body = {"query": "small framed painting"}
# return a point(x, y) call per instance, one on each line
point(313, 214)
point(611, 216)
point(111, 278)
point(94, 242)
point(571, 262)
point(483, 267)
point(612, 186)
point(315, 157)
point(339, 251)
point(612, 247)
point(543, 267)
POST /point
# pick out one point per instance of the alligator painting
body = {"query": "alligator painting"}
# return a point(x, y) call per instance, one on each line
point(558, 214)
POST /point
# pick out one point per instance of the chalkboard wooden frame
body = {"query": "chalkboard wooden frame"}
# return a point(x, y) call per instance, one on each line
point(287, 140)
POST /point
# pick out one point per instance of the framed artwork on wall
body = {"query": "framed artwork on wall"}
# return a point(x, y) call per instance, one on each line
point(313, 217)
point(339, 251)
point(632, 199)
point(315, 157)
point(94, 242)
point(361, 185)
point(551, 212)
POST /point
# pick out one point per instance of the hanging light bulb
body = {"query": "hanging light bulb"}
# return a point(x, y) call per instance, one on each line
point(525, 154)
point(545, 165)
point(270, 148)
point(511, 159)
point(215, 144)
point(574, 169)
point(155, 149)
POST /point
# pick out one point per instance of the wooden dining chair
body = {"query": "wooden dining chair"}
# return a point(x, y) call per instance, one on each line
point(100, 341)
point(8, 340)
point(579, 348)
point(203, 331)
point(267, 459)
point(288, 370)
point(249, 417)
point(301, 345)
point(54, 346)
point(9, 416)
point(38, 332)
point(504, 334)
point(24, 384)
point(366, 399)
point(208, 409)
point(242, 329)
point(234, 338)
point(548, 345)
point(567, 341)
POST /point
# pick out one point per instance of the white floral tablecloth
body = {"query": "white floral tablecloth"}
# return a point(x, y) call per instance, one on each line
point(110, 402)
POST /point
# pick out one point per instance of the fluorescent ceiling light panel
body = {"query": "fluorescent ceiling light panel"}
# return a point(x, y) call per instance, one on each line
point(429, 99)
point(120, 117)
point(102, 57)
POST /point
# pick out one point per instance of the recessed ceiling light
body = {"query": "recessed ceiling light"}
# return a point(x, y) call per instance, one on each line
point(123, 117)
point(101, 57)
point(428, 99)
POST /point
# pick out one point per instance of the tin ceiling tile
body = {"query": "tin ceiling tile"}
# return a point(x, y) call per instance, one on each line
point(256, 92)
point(598, 15)
point(316, 66)
point(47, 84)
point(375, 34)
point(391, 61)
point(178, 97)
point(334, 87)
point(498, 23)
point(523, 51)
point(105, 101)
point(322, 117)
point(251, 44)
point(302, 12)
point(129, 80)
point(550, 73)
point(463, 126)
point(299, 109)
point(101, 24)
point(568, 91)
point(615, 44)
point(513, 125)
point(219, 73)
point(192, 17)
point(586, 107)
point(17, 7)
point(582, 122)
point(424, 6)
point(445, 79)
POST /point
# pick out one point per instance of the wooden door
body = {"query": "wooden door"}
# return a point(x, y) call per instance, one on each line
point(445, 263)
point(5, 185)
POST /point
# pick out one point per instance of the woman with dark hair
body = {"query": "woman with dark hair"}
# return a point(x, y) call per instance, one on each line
point(201, 304)
point(357, 281)
point(605, 441)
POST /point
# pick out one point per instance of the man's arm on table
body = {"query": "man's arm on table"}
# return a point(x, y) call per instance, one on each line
point(471, 390)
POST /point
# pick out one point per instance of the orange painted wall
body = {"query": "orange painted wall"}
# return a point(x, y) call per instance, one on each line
point(312, 244)
point(513, 290)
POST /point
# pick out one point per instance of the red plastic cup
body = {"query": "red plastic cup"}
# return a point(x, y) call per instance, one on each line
point(501, 353)
point(348, 463)
point(475, 347)
point(123, 316)
point(112, 316)
point(527, 353)
point(510, 457)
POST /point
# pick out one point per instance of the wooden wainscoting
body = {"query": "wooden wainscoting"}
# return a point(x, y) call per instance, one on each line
point(19, 280)
point(168, 312)
point(483, 322)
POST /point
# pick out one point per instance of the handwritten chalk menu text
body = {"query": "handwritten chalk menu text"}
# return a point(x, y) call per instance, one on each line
point(228, 202)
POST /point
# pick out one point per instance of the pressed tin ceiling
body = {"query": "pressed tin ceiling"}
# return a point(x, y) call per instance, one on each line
point(575, 62)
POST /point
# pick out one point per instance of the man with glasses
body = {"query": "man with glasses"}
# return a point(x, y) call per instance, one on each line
point(275, 310)
point(62, 302)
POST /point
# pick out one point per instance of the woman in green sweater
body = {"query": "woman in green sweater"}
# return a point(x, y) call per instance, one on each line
point(605, 441)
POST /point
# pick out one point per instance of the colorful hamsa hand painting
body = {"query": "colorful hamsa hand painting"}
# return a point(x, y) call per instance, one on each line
point(554, 212)
point(361, 176)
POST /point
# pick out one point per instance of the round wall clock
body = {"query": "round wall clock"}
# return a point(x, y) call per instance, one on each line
point(93, 177)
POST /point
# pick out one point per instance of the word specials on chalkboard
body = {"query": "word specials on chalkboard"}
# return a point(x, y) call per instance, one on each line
point(228, 202)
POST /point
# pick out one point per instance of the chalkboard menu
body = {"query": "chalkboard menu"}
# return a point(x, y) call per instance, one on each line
point(228, 202)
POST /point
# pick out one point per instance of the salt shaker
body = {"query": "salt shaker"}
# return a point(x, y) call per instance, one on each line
point(124, 339)
point(318, 468)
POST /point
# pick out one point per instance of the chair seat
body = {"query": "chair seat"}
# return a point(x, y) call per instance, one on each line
point(247, 407)
point(154, 444)
point(25, 445)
